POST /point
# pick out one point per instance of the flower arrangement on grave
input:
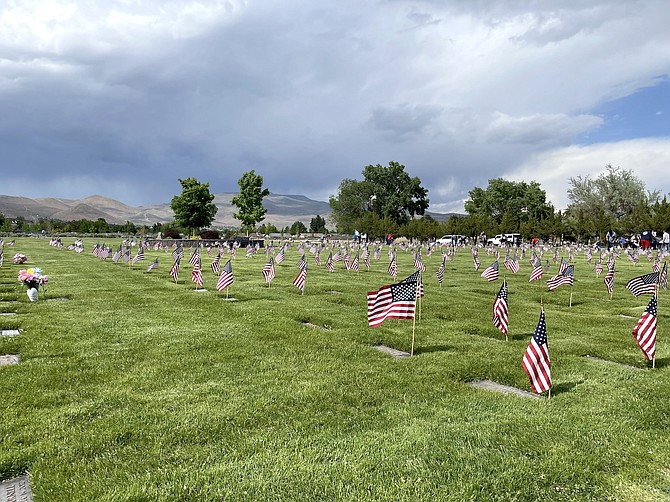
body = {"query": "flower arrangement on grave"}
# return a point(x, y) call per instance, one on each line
point(19, 258)
point(32, 277)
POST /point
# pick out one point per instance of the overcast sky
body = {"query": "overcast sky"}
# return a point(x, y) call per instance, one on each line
point(121, 98)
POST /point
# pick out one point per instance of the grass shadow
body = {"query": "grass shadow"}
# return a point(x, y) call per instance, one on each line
point(565, 387)
point(432, 348)
point(663, 362)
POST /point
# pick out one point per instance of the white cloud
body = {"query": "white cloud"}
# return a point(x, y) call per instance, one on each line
point(647, 158)
point(308, 93)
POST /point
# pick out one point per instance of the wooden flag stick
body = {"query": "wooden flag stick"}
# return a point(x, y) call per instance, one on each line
point(549, 394)
point(570, 296)
point(411, 352)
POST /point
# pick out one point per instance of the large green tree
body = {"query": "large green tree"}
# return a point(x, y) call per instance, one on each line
point(387, 192)
point(611, 199)
point(193, 209)
point(509, 202)
point(249, 201)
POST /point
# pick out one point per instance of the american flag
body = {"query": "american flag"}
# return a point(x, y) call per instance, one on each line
point(562, 266)
point(663, 277)
point(195, 258)
point(656, 267)
point(393, 268)
point(139, 256)
point(174, 270)
point(609, 277)
point(511, 264)
point(301, 263)
point(216, 264)
point(117, 255)
point(416, 278)
point(645, 330)
point(366, 257)
point(178, 253)
point(418, 262)
point(490, 273)
point(280, 256)
point(317, 257)
point(643, 285)
point(555, 255)
point(598, 269)
point(329, 263)
point(476, 261)
point(440, 273)
point(196, 275)
point(337, 256)
point(269, 270)
point(153, 265)
point(537, 271)
point(565, 277)
point(301, 278)
point(500, 310)
point(355, 263)
point(536, 361)
point(126, 254)
point(226, 278)
point(395, 301)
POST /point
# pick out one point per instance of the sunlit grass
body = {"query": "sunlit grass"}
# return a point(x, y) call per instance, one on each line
point(137, 388)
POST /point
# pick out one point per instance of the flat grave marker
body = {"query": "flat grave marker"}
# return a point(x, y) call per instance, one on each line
point(503, 389)
point(9, 359)
point(621, 365)
point(16, 490)
point(398, 354)
point(7, 313)
point(10, 332)
point(58, 299)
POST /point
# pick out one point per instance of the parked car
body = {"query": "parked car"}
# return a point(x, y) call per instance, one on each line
point(450, 240)
point(499, 239)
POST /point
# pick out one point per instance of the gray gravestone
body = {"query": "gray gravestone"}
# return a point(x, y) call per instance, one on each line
point(16, 490)
point(9, 359)
point(7, 313)
point(9, 332)
point(621, 365)
point(398, 354)
point(503, 389)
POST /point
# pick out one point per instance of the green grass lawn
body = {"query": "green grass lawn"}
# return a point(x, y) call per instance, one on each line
point(138, 388)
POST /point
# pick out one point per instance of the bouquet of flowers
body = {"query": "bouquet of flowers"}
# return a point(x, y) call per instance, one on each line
point(32, 277)
point(19, 258)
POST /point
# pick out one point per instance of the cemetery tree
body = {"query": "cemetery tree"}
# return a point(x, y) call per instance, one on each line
point(393, 193)
point(249, 201)
point(298, 228)
point(613, 196)
point(317, 224)
point(193, 209)
point(515, 202)
point(387, 192)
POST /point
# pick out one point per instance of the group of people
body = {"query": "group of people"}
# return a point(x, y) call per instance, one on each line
point(648, 239)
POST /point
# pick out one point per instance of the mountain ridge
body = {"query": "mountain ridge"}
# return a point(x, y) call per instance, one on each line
point(282, 210)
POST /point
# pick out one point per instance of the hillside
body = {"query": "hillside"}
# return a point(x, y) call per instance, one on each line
point(283, 210)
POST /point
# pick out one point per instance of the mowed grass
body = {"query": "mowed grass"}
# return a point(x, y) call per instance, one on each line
point(137, 388)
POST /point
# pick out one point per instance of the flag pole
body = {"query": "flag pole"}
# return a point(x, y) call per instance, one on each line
point(416, 296)
point(570, 295)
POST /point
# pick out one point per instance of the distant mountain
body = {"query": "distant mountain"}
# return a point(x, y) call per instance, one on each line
point(282, 210)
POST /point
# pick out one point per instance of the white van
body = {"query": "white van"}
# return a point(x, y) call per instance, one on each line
point(450, 240)
point(505, 238)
